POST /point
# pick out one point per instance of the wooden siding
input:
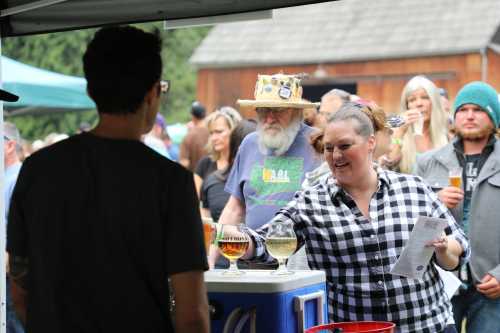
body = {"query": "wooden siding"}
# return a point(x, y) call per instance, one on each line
point(381, 81)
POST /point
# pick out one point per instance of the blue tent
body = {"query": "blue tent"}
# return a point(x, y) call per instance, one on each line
point(42, 91)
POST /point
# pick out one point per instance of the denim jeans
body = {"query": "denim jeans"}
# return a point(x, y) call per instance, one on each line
point(13, 323)
point(450, 329)
point(482, 313)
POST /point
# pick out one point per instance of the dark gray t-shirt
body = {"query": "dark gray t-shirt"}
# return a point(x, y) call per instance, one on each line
point(213, 195)
point(472, 168)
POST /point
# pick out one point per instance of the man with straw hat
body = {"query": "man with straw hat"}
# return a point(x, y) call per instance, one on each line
point(271, 162)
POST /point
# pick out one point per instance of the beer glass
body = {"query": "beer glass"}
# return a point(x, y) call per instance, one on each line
point(232, 242)
point(208, 232)
point(455, 177)
point(281, 243)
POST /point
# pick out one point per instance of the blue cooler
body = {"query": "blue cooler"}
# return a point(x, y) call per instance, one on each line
point(261, 302)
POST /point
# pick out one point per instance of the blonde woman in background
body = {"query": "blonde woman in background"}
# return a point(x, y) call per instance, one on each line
point(420, 98)
point(220, 123)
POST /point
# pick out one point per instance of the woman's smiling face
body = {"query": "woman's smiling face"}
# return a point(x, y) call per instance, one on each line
point(348, 154)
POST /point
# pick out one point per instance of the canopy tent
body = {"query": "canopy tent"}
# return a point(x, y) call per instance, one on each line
point(22, 17)
point(41, 90)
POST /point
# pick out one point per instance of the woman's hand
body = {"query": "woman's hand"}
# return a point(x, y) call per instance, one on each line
point(447, 250)
point(410, 117)
point(440, 244)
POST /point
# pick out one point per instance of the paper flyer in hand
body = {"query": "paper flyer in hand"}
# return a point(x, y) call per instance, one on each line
point(415, 257)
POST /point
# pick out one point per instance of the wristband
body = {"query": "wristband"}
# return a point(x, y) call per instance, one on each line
point(396, 141)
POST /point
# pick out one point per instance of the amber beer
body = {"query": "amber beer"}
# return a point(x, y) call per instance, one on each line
point(455, 181)
point(455, 177)
point(208, 231)
point(233, 249)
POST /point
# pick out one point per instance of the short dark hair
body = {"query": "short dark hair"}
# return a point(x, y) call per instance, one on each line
point(121, 65)
point(198, 110)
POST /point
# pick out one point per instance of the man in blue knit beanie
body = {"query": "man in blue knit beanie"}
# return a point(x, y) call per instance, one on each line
point(481, 94)
point(475, 203)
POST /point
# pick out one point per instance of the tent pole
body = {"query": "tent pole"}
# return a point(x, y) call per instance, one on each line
point(3, 224)
point(29, 6)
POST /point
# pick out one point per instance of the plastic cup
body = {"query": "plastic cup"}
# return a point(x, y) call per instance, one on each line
point(418, 126)
point(455, 177)
point(208, 232)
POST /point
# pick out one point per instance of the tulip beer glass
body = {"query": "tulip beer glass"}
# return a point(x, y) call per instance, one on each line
point(233, 242)
point(281, 243)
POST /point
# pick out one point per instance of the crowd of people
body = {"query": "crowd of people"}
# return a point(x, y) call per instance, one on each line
point(361, 189)
point(99, 222)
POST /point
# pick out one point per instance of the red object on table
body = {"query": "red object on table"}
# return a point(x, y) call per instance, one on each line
point(355, 327)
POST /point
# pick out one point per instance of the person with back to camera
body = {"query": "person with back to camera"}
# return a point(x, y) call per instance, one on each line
point(99, 222)
point(12, 162)
point(355, 224)
point(192, 148)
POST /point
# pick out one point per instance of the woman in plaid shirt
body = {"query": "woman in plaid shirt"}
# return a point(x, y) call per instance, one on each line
point(355, 225)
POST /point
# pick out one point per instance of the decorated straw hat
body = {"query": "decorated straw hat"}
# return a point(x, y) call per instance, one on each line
point(277, 91)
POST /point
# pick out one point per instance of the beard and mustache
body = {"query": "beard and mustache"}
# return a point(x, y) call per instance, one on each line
point(476, 134)
point(279, 142)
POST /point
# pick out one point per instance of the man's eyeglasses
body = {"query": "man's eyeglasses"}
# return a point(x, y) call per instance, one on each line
point(164, 86)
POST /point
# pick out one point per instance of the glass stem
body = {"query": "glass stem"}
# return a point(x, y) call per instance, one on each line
point(282, 266)
point(232, 266)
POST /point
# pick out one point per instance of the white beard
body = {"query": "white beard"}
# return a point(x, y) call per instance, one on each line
point(277, 144)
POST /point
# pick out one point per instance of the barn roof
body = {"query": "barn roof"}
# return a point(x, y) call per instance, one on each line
point(354, 30)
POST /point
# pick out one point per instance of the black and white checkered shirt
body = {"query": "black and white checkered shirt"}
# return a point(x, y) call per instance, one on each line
point(357, 254)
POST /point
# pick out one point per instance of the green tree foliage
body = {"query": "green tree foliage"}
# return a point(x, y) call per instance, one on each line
point(179, 44)
point(62, 52)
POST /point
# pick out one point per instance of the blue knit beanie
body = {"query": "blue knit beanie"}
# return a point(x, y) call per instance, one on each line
point(482, 95)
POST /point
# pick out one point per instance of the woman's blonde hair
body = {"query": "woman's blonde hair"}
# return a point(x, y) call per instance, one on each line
point(438, 126)
point(232, 118)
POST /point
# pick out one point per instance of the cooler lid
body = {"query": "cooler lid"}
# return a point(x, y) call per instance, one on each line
point(260, 281)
